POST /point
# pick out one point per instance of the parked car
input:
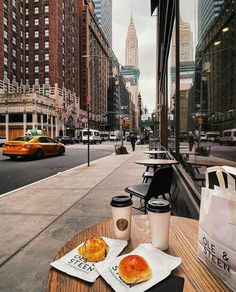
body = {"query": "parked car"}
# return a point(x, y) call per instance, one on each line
point(203, 138)
point(34, 146)
point(2, 140)
point(112, 138)
point(93, 136)
point(65, 140)
point(76, 140)
point(228, 137)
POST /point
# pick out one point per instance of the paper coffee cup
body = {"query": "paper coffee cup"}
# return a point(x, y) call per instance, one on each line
point(159, 220)
point(121, 213)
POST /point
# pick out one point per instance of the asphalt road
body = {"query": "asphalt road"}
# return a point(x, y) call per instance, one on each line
point(23, 171)
point(15, 174)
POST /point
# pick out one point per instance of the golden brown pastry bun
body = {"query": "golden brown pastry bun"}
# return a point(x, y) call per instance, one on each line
point(134, 269)
point(94, 249)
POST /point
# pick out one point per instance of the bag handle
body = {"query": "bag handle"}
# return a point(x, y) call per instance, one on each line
point(230, 171)
point(219, 174)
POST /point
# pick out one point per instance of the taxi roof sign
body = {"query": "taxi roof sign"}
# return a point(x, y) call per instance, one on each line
point(34, 132)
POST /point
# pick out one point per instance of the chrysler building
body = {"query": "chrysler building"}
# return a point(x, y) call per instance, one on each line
point(131, 46)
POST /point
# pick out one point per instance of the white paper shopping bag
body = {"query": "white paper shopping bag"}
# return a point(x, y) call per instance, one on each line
point(217, 228)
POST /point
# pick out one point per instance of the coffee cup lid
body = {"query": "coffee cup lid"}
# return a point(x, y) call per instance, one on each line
point(158, 206)
point(121, 201)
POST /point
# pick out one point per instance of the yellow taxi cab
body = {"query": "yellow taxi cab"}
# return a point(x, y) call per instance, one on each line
point(34, 146)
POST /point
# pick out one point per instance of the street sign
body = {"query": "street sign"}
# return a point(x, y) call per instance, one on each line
point(89, 99)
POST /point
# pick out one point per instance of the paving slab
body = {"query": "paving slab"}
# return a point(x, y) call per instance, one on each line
point(41, 217)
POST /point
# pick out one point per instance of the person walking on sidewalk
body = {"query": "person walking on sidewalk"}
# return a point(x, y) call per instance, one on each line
point(190, 142)
point(133, 140)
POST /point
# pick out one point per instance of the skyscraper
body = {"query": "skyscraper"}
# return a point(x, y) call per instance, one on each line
point(186, 70)
point(40, 43)
point(131, 46)
point(130, 71)
point(207, 11)
point(39, 60)
point(103, 11)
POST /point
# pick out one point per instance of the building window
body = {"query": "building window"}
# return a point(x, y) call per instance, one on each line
point(36, 34)
point(36, 57)
point(26, 70)
point(46, 56)
point(27, 47)
point(46, 8)
point(13, 52)
point(5, 61)
point(46, 33)
point(26, 58)
point(5, 74)
point(46, 20)
point(46, 44)
point(5, 21)
point(46, 80)
point(26, 34)
point(27, 11)
point(36, 69)
point(46, 68)
point(36, 10)
point(5, 48)
point(14, 27)
point(36, 80)
point(36, 46)
point(14, 15)
point(27, 23)
point(5, 34)
point(36, 21)
point(14, 65)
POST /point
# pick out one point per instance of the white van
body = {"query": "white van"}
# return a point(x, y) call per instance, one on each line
point(94, 136)
point(228, 137)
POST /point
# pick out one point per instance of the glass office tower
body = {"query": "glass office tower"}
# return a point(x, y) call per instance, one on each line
point(103, 11)
point(207, 12)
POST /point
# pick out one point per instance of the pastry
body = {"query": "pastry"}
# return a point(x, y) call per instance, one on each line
point(94, 249)
point(134, 269)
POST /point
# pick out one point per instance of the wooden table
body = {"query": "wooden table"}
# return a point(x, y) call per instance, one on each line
point(156, 162)
point(210, 161)
point(183, 243)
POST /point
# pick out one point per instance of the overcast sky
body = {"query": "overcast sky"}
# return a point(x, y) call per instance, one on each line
point(146, 31)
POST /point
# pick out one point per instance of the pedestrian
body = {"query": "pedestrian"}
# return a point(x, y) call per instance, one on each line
point(190, 142)
point(133, 140)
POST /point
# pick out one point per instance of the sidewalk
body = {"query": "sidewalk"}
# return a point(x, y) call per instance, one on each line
point(38, 219)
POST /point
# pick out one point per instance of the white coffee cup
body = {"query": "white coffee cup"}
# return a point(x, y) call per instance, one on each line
point(121, 213)
point(159, 220)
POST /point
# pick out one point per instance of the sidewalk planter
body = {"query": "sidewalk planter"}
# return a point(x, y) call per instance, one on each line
point(203, 150)
point(120, 150)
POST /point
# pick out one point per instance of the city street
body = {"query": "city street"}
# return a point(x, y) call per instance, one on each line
point(23, 171)
point(15, 174)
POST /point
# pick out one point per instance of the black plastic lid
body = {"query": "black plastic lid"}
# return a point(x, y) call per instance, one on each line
point(121, 201)
point(158, 206)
